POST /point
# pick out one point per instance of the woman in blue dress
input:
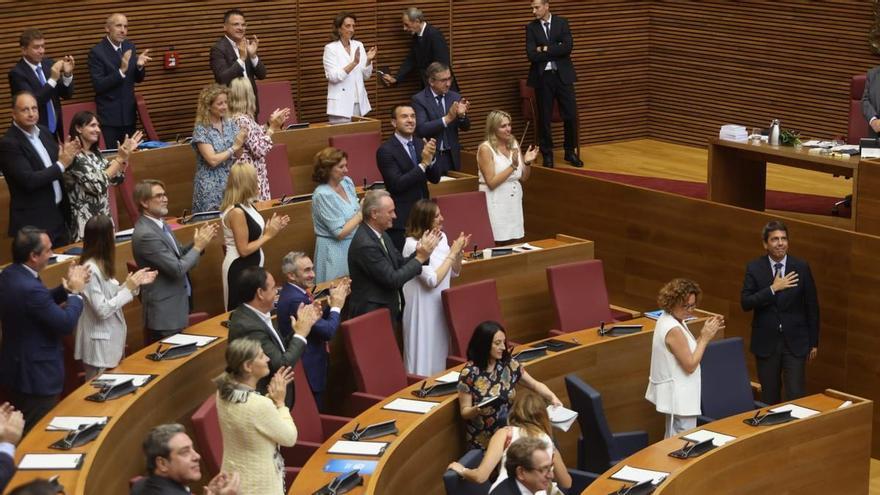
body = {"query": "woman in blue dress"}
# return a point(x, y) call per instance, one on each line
point(217, 142)
point(336, 213)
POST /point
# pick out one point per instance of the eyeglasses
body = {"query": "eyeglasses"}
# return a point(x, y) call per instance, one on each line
point(690, 306)
point(159, 196)
point(543, 470)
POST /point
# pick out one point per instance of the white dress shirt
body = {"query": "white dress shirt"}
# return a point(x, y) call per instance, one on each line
point(33, 138)
point(267, 319)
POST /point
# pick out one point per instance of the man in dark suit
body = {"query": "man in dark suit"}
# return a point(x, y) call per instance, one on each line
point(871, 101)
point(167, 300)
point(234, 55)
point(428, 46)
point(785, 326)
point(378, 270)
point(529, 468)
point(440, 114)
point(34, 321)
point(32, 164)
point(115, 68)
point(406, 164)
point(11, 430)
point(254, 321)
point(548, 45)
point(300, 273)
point(47, 80)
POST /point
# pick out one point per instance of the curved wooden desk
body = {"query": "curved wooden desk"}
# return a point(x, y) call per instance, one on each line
point(826, 453)
point(416, 458)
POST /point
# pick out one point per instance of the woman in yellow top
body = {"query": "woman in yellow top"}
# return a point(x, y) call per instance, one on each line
point(254, 425)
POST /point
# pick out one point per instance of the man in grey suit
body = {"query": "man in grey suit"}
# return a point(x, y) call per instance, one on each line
point(871, 101)
point(253, 320)
point(167, 300)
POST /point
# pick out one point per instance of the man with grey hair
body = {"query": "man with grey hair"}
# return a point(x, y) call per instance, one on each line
point(378, 270)
point(440, 113)
point(428, 46)
point(173, 463)
point(300, 273)
point(529, 468)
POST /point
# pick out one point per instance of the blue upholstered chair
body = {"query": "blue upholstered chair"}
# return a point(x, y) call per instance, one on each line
point(456, 485)
point(725, 389)
point(598, 448)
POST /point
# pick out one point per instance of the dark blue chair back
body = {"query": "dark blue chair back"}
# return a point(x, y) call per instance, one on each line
point(725, 389)
point(457, 486)
point(596, 445)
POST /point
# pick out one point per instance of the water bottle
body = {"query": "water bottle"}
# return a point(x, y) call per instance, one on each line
point(774, 133)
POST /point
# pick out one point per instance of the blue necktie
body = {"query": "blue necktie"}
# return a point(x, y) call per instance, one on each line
point(778, 271)
point(411, 147)
point(50, 106)
point(441, 145)
point(167, 230)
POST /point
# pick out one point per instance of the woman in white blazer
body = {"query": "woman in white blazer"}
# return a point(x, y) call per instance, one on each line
point(346, 66)
point(100, 332)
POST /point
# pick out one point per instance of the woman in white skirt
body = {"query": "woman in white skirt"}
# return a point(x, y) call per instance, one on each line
point(674, 384)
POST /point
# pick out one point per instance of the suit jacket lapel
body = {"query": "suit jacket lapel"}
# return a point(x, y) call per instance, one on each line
point(164, 236)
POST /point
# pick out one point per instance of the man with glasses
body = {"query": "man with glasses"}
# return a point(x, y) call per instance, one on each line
point(529, 468)
point(234, 55)
point(440, 113)
point(167, 300)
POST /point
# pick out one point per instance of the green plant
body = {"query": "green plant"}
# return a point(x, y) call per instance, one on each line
point(789, 137)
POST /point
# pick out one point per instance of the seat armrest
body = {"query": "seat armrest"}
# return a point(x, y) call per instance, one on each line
point(580, 480)
point(628, 443)
point(361, 401)
point(701, 420)
point(556, 333)
point(299, 454)
point(331, 424)
point(412, 378)
point(630, 313)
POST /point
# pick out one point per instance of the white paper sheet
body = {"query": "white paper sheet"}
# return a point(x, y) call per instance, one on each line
point(50, 462)
point(523, 248)
point(845, 404)
point(184, 339)
point(114, 378)
point(796, 411)
point(561, 417)
point(68, 423)
point(60, 258)
point(638, 475)
point(410, 405)
point(450, 377)
point(718, 439)
point(445, 178)
point(357, 448)
point(120, 233)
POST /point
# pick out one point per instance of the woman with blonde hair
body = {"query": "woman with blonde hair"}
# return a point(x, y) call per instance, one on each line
point(502, 169)
point(244, 229)
point(217, 141)
point(674, 383)
point(243, 108)
point(254, 425)
point(528, 418)
point(336, 213)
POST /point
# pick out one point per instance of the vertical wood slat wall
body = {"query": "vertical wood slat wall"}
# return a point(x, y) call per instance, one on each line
point(673, 69)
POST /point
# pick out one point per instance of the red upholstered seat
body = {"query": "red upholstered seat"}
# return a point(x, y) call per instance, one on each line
point(114, 210)
point(372, 350)
point(74, 375)
point(206, 428)
point(280, 183)
point(361, 148)
point(467, 212)
point(858, 127)
point(466, 306)
point(126, 190)
point(150, 133)
point(579, 295)
point(529, 106)
point(275, 94)
point(68, 110)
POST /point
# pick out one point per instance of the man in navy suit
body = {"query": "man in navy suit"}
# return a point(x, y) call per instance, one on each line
point(406, 164)
point(440, 113)
point(785, 326)
point(115, 67)
point(529, 468)
point(11, 430)
point(428, 46)
point(47, 80)
point(34, 321)
point(300, 273)
point(548, 45)
point(32, 164)
point(234, 55)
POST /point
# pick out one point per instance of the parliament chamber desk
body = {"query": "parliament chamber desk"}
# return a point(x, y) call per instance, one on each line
point(417, 456)
point(827, 453)
point(737, 175)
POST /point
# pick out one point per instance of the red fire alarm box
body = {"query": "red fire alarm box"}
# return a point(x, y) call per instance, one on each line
point(172, 59)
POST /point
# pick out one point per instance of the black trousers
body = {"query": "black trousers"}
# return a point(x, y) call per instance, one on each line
point(782, 368)
point(113, 134)
point(33, 407)
point(551, 88)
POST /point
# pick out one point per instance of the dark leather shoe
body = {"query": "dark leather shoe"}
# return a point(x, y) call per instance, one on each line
point(572, 158)
point(547, 160)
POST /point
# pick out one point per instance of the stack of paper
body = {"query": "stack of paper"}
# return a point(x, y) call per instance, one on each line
point(734, 132)
point(410, 405)
point(186, 338)
point(797, 411)
point(718, 439)
point(357, 448)
point(561, 417)
point(50, 462)
point(117, 378)
point(638, 475)
point(69, 423)
point(450, 377)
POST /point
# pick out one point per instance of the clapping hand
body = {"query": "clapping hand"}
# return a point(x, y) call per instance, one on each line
point(429, 150)
point(141, 277)
point(252, 44)
point(371, 54)
point(126, 59)
point(69, 150)
point(55, 70)
point(459, 244)
point(11, 424)
point(224, 484)
point(463, 107)
point(339, 292)
point(277, 389)
point(67, 67)
point(203, 236)
point(143, 58)
point(711, 327)
point(77, 278)
point(278, 118)
point(240, 138)
point(306, 316)
point(426, 244)
point(276, 224)
point(128, 146)
point(531, 154)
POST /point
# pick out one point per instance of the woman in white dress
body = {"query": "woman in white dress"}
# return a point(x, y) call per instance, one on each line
point(101, 330)
point(674, 383)
point(346, 66)
point(502, 169)
point(425, 339)
point(244, 229)
point(528, 418)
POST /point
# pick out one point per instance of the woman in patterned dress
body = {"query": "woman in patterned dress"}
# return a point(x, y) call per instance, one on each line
point(88, 179)
point(243, 107)
point(491, 372)
point(336, 214)
point(217, 142)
